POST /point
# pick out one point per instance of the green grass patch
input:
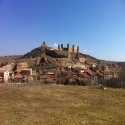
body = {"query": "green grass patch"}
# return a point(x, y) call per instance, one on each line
point(66, 105)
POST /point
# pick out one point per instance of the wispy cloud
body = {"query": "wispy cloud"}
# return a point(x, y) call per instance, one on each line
point(55, 45)
point(89, 51)
point(86, 51)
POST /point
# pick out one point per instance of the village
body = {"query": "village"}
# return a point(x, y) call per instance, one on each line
point(70, 69)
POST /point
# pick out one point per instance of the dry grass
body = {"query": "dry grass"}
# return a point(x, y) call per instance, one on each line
point(66, 105)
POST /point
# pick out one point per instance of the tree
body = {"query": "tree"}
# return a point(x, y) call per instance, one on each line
point(121, 73)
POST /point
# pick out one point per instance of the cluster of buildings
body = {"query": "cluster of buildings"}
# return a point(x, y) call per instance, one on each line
point(71, 65)
point(16, 72)
point(90, 75)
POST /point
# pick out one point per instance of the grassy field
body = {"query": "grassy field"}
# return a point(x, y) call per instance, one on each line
point(65, 105)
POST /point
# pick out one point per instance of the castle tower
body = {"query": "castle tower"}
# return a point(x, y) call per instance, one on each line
point(77, 49)
point(68, 47)
point(58, 46)
point(44, 43)
point(73, 48)
point(62, 46)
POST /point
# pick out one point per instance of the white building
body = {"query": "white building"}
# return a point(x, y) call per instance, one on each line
point(4, 75)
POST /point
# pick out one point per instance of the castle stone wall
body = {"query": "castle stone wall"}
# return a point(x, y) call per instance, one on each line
point(55, 54)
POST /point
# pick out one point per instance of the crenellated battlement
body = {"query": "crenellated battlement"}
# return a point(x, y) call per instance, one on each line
point(73, 49)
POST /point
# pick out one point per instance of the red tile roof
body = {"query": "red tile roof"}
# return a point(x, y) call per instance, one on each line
point(106, 73)
point(89, 72)
point(99, 74)
point(85, 75)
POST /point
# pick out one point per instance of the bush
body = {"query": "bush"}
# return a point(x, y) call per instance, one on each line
point(67, 82)
point(74, 83)
point(115, 83)
point(82, 83)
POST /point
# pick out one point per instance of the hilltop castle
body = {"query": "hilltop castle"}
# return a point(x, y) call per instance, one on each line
point(68, 49)
point(45, 53)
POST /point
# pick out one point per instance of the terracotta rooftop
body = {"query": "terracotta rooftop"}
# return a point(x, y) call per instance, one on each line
point(99, 74)
point(89, 72)
point(85, 75)
point(106, 73)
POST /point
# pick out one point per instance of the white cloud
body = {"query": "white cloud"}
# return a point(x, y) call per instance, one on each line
point(84, 50)
point(55, 45)
point(87, 51)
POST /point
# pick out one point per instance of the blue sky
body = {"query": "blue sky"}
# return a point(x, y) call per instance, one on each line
point(97, 26)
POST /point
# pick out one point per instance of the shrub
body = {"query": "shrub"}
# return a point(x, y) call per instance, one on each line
point(74, 83)
point(67, 82)
point(81, 83)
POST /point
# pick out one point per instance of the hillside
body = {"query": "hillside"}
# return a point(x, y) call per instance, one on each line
point(38, 52)
point(49, 53)
point(34, 53)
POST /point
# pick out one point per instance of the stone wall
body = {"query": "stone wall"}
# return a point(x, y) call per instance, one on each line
point(54, 54)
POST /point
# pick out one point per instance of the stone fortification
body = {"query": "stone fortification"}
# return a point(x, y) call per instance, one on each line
point(60, 52)
point(55, 53)
point(68, 49)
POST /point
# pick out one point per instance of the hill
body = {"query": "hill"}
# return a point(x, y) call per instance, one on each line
point(50, 53)
point(45, 53)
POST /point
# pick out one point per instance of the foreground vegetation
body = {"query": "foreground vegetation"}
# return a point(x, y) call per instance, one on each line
point(62, 105)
